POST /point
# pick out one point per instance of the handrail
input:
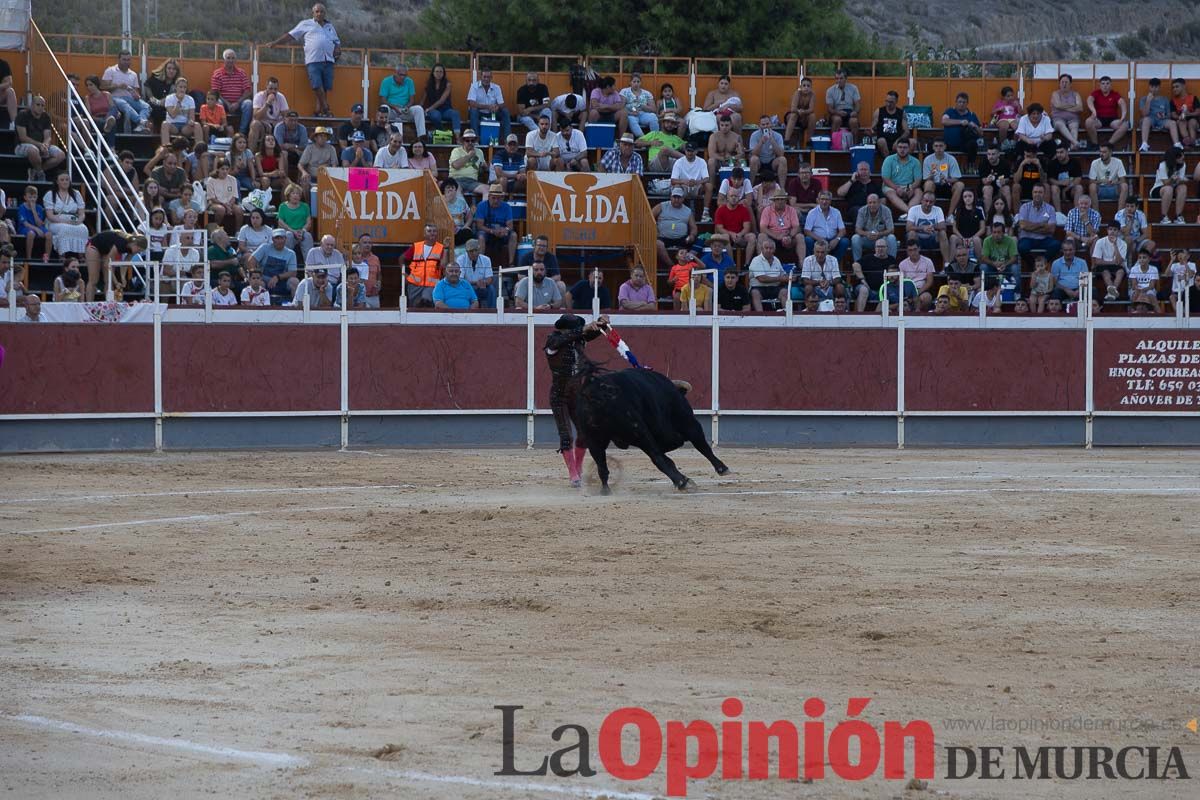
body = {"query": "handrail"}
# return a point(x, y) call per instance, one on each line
point(98, 162)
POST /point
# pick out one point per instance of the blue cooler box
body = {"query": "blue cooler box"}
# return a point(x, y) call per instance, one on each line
point(489, 132)
point(821, 142)
point(518, 209)
point(600, 134)
point(860, 154)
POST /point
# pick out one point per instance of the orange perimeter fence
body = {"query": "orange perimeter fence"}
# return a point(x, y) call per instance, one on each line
point(764, 85)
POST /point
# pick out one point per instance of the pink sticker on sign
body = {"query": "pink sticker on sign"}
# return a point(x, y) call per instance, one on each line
point(363, 179)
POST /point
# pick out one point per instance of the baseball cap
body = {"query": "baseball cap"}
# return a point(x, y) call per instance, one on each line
point(358, 136)
point(512, 137)
point(323, 130)
point(670, 115)
point(278, 232)
point(689, 147)
point(291, 112)
point(385, 108)
point(357, 108)
point(677, 191)
point(319, 272)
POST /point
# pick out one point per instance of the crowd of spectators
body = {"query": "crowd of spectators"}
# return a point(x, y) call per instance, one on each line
point(1004, 206)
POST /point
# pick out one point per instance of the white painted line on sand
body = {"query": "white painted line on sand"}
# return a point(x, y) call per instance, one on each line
point(189, 518)
point(980, 490)
point(278, 760)
point(258, 757)
point(545, 788)
point(87, 498)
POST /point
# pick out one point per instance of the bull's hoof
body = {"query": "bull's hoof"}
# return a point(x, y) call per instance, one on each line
point(685, 484)
point(605, 490)
point(722, 470)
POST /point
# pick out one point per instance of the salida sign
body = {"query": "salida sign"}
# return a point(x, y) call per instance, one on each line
point(583, 207)
point(385, 203)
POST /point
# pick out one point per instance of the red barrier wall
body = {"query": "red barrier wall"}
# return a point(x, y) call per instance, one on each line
point(965, 370)
point(811, 370)
point(684, 353)
point(452, 366)
point(250, 367)
point(1147, 371)
point(86, 368)
point(76, 369)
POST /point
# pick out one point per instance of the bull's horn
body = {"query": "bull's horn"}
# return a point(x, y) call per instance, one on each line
point(683, 386)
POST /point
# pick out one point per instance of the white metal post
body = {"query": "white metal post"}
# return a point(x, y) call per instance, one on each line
point(715, 369)
point(207, 289)
point(595, 296)
point(899, 353)
point(692, 84)
point(158, 393)
point(529, 344)
point(12, 294)
point(254, 68)
point(366, 86)
point(344, 331)
point(1089, 403)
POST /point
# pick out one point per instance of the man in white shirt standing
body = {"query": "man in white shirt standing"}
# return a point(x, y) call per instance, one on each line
point(322, 47)
point(393, 156)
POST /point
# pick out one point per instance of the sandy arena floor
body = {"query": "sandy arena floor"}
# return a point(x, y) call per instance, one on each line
point(265, 625)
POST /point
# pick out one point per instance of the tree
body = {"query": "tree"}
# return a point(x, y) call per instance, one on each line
point(748, 28)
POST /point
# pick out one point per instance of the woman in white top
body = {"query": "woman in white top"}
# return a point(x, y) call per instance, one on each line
point(1034, 132)
point(64, 216)
point(254, 233)
point(1170, 182)
point(181, 114)
point(158, 234)
point(223, 195)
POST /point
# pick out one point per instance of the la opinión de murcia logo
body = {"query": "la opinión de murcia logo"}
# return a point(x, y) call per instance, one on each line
point(730, 744)
point(853, 749)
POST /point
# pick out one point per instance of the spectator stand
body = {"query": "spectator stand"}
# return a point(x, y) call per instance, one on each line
point(764, 85)
point(593, 210)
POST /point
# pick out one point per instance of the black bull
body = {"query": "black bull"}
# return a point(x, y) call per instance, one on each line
point(645, 409)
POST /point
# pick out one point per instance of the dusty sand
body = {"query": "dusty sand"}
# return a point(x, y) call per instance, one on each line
point(326, 625)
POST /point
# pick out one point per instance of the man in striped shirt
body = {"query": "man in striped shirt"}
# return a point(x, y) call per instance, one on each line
point(233, 84)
